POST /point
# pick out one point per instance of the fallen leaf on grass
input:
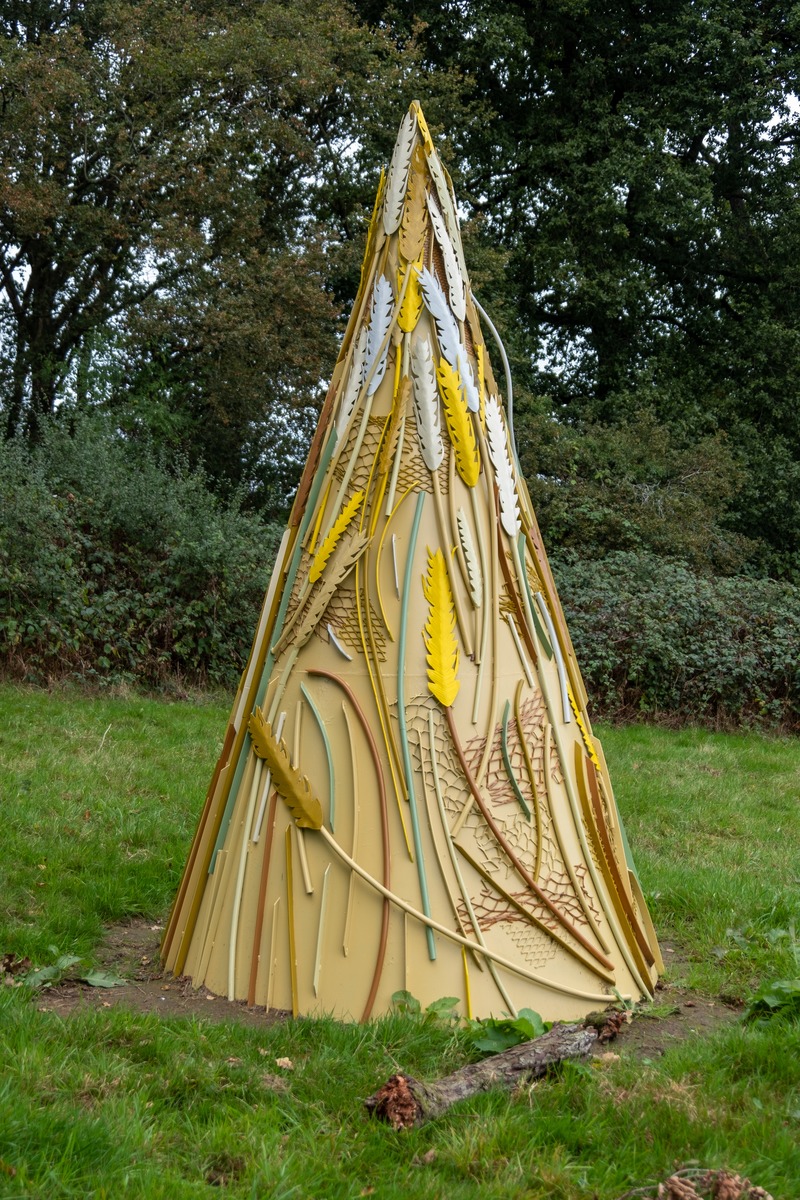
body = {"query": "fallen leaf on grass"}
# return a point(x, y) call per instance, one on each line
point(273, 1083)
point(11, 965)
point(424, 1160)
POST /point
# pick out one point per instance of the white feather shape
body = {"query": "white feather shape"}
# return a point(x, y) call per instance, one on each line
point(397, 179)
point(503, 472)
point(355, 381)
point(426, 404)
point(470, 390)
point(447, 335)
point(443, 192)
point(474, 573)
point(379, 322)
point(455, 281)
point(446, 329)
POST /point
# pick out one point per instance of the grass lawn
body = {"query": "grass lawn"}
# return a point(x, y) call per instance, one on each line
point(99, 801)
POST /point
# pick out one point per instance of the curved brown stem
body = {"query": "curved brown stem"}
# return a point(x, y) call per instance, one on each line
point(523, 873)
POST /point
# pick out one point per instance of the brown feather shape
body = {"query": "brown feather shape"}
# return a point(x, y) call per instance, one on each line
point(293, 787)
point(345, 557)
point(415, 220)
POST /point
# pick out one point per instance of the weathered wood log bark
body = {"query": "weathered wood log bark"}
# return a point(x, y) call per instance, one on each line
point(404, 1101)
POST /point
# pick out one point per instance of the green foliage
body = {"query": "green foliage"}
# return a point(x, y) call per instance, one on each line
point(781, 998)
point(113, 568)
point(178, 229)
point(113, 1101)
point(67, 967)
point(635, 485)
point(442, 1010)
point(652, 637)
point(493, 1035)
point(103, 797)
point(641, 175)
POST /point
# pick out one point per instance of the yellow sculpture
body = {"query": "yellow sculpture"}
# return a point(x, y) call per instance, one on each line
point(409, 796)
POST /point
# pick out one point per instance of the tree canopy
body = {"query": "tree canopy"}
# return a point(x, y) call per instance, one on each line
point(184, 190)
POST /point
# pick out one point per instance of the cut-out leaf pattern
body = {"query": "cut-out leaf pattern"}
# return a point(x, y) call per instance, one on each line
point(455, 280)
point(474, 573)
point(497, 442)
point(332, 537)
point(426, 404)
point(397, 179)
point(355, 381)
point(440, 638)
point(411, 308)
point(380, 320)
point(414, 225)
point(291, 785)
point(459, 424)
point(447, 333)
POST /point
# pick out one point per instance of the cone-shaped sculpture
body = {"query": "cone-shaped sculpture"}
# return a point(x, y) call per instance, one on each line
point(409, 796)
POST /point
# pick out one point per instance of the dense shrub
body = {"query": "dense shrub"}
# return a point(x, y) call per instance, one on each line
point(112, 567)
point(652, 637)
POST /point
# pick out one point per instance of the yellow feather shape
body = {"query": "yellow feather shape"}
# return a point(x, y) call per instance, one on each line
point(439, 635)
point(411, 307)
point(459, 424)
point(372, 232)
point(334, 533)
point(294, 787)
point(422, 125)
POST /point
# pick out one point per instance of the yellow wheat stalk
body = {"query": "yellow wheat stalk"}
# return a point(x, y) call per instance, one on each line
point(459, 424)
point(439, 635)
point(294, 787)
point(334, 534)
point(411, 307)
point(347, 555)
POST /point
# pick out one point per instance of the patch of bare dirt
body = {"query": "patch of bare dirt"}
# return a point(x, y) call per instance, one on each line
point(677, 1013)
point(131, 951)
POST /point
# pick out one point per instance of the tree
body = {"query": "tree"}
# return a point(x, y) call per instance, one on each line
point(642, 173)
point(169, 235)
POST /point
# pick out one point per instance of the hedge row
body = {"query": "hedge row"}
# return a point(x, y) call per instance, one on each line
point(654, 639)
point(113, 568)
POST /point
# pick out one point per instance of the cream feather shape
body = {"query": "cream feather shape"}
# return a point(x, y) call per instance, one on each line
point(455, 280)
point(380, 320)
point(448, 336)
point(497, 442)
point(426, 404)
point(397, 179)
point(474, 573)
point(355, 380)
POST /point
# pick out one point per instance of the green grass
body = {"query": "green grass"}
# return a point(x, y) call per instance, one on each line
point(100, 799)
point(110, 1102)
point(714, 821)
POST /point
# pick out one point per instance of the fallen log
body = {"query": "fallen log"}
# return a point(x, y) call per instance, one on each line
point(403, 1101)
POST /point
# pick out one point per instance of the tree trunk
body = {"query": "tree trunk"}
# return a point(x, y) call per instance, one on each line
point(403, 1101)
